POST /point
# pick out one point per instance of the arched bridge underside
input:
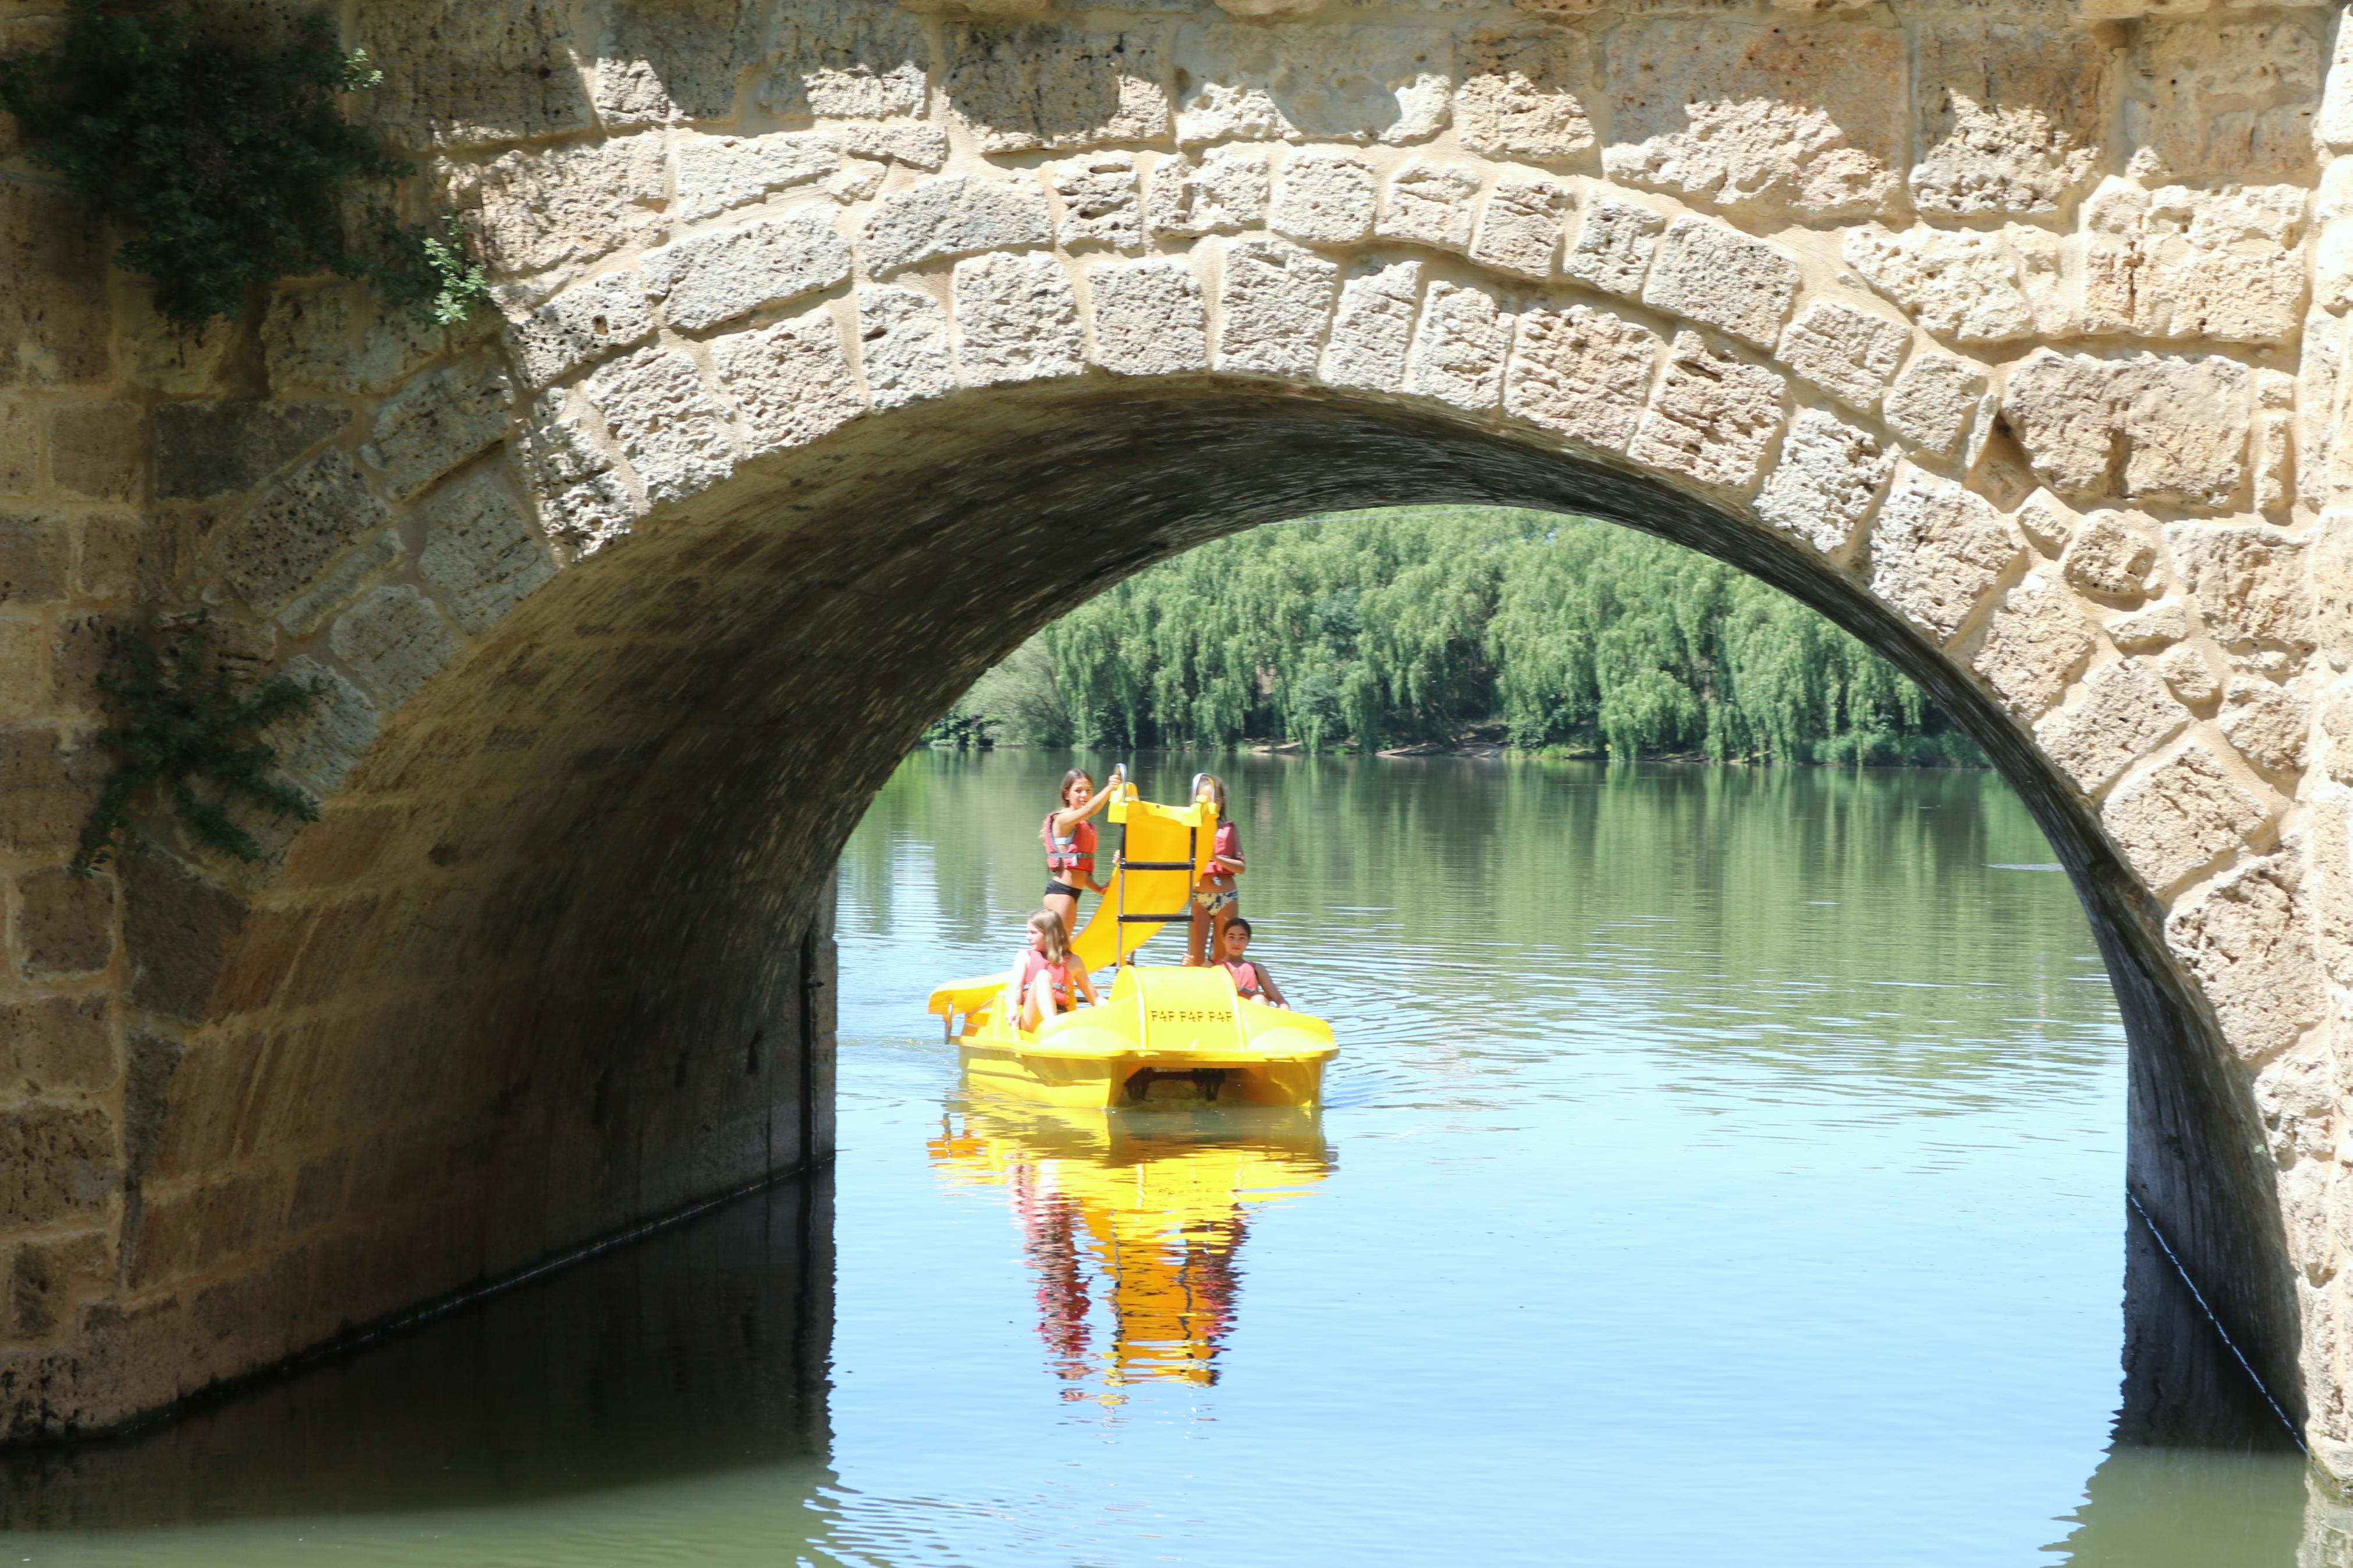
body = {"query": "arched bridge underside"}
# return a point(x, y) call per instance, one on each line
point(840, 343)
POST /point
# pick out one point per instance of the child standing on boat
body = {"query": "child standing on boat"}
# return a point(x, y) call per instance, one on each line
point(1252, 980)
point(1069, 841)
point(1215, 899)
point(1047, 978)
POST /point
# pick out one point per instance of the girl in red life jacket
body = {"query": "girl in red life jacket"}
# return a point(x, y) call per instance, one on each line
point(1251, 980)
point(1069, 841)
point(1215, 899)
point(1046, 975)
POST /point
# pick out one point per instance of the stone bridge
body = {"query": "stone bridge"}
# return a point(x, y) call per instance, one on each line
point(841, 343)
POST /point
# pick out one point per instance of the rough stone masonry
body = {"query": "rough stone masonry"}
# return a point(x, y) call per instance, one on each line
point(840, 342)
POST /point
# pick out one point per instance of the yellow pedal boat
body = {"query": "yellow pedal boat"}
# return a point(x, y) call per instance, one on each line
point(1163, 1033)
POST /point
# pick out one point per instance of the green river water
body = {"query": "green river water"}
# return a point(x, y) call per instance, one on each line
point(1722, 1167)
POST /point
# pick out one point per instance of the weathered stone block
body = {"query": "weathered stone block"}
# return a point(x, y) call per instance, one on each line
point(1852, 355)
point(46, 1275)
point(55, 1162)
point(2190, 674)
point(46, 790)
point(583, 324)
point(847, 59)
point(99, 451)
point(1829, 479)
point(2245, 940)
point(1149, 318)
point(1770, 120)
point(20, 448)
point(1717, 276)
point(205, 449)
point(1614, 245)
point(2113, 555)
point(2148, 630)
point(1520, 228)
point(1583, 373)
point(1429, 204)
point(333, 337)
point(1020, 86)
point(2013, 116)
point(1712, 417)
point(393, 640)
point(1275, 300)
point(717, 172)
point(1324, 197)
point(716, 277)
point(2035, 642)
point(790, 383)
point(678, 60)
point(537, 209)
point(23, 668)
point(1523, 92)
point(2179, 817)
point(2122, 713)
point(457, 73)
point(299, 524)
point(2248, 581)
point(1967, 287)
point(1933, 401)
point(1222, 192)
point(1937, 550)
point(917, 146)
point(1372, 330)
point(2177, 263)
point(481, 554)
point(319, 749)
point(436, 423)
point(1101, 204)
point(955, 215)
point(2150, 427)
point(56, 1044)
point(1258, 83)
point(36, 550)
point(1017, 319)
point(1459, 349)
point(904, 346)
point(667, 424)
point(2232, 102)
point(2266, 723)
point(65, 924)
point(54, 321)
point(340, 584)
point(78, 654)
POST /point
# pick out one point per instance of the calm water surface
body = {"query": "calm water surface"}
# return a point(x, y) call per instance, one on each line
point(1723, 1167)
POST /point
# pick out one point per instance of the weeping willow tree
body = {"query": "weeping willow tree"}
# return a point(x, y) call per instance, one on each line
point(1375, 630)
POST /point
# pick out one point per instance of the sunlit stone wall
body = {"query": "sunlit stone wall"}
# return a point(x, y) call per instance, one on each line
point(2008, 331)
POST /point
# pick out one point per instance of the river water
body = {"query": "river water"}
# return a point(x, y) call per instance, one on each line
point(1722, 1167)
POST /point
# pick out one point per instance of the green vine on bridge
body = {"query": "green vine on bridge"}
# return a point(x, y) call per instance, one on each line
point(232, 164)
point(189, 726)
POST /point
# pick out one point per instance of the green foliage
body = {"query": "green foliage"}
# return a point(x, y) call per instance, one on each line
point(1415, 625)
point(191, 727)
point(230, 162)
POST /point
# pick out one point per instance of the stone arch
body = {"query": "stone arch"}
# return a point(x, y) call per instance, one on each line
point(840, 342)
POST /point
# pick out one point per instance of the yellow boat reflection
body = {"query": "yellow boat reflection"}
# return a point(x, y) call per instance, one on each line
point(1133, 1223)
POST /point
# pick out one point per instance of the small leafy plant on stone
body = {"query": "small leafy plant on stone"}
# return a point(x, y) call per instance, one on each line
point(230, 162)
point(188, 727)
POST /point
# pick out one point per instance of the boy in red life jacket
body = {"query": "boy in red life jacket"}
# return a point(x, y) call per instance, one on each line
point(1251, 980)
point(1215, 899)
point(1046, 975)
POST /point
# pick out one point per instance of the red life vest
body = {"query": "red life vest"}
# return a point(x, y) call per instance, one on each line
point(1059, 982)
point(1075, 852)
point(1246, 981)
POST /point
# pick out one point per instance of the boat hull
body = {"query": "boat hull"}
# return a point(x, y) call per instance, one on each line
point(1162, 1037)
